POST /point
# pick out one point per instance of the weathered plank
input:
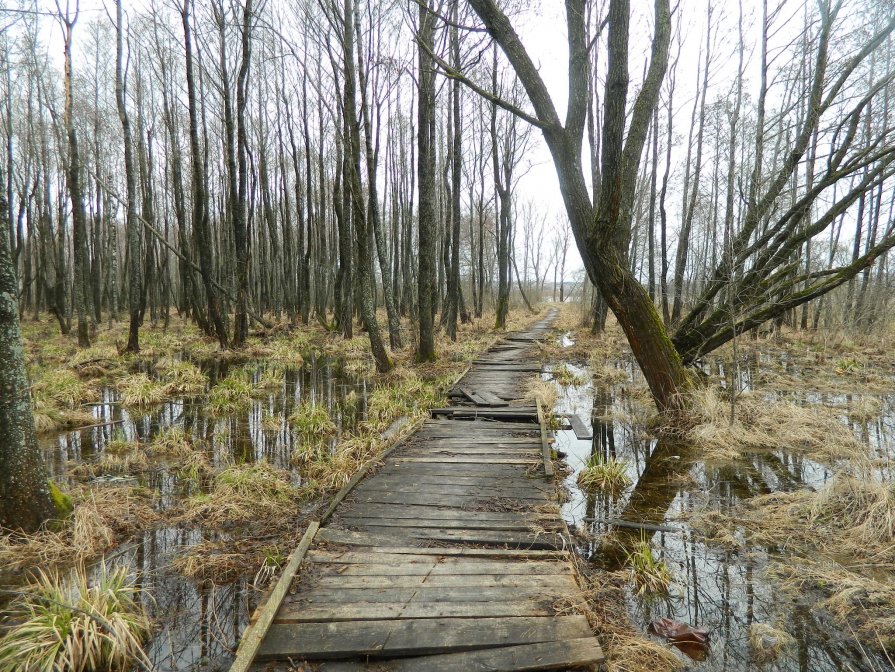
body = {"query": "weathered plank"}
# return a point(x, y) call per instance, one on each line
point(574, 654)
point(582, 433)
point(407, 637)
point(496, 490)
point(546, 540)
point(253, 638)
point(373, 611)
point(548, 582)
point(310, 594)
point(459, 552)
point(364, 510)
point(458, 523)
point(421, 565)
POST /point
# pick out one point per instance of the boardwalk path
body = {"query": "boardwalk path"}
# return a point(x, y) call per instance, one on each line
point(451, 556)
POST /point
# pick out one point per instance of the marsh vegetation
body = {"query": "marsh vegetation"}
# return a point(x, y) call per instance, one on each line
point(768, 520)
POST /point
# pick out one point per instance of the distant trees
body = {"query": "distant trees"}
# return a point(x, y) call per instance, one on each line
point(245, 161)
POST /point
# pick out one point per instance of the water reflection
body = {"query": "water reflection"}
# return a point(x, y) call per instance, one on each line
point(723, 591)
point(198, 623)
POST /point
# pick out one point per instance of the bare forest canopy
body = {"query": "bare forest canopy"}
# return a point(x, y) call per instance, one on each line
point(720, 166)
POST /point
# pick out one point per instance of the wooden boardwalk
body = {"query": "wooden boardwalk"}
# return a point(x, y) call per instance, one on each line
point(453, 556)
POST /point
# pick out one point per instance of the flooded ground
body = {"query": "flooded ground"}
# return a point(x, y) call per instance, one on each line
point(198, 623)
point(723, 591)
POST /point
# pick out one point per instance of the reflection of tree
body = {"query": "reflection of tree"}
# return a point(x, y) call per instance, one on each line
point(650, 500)
point(603, 426)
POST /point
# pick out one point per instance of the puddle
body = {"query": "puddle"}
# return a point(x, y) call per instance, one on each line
point(198, 625)
point(723, 592)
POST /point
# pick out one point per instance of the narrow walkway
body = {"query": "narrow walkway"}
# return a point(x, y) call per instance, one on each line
point(450, 557)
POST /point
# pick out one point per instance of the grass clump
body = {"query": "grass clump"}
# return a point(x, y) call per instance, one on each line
point(230, 395)
point(814, 431)
point(249, 493)
point(141, 390)
point(604, 473)
point(768, 642)
point(65, 622)
point(57, 397)
point(313, 428)
point(565, 377)
point(649, 575)
point(180, 377)
point(102, 518)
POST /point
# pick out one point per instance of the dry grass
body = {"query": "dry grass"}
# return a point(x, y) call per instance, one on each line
point(606, 474)
point(768, 642)
point(65, 622)
point(603, 600)
point(839, 541)
point(254, 493)
point(102, 518)
point(814, 431)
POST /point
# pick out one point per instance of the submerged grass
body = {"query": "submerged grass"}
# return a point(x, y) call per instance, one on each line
point(64, 621)
point(768, 642)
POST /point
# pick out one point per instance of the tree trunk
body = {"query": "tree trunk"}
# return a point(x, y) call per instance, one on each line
point(426, 172)
point(24, 491)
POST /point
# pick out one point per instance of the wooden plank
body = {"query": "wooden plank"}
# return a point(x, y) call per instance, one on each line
point(492, 398)
point(420, 565)
point(545, 445)
point(364, 510)
point(350, 538)
point(467, 536)
point(473, 397)
point(465, 553)
point(414, 636)
point(372, 611)
point(496, 490)
point(447, 459)
point(468, 448)
point(469, 500)
point(547, 582)
point(458, 524)
point(253, 637)
point(469, 481)
point(410, 469)
point(579, 654)
point(582, 433)
point(329, 595)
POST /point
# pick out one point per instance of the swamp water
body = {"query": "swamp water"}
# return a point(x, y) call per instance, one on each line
point(198, 624)
point(722, 591)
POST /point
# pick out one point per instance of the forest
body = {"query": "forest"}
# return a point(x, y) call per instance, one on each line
point(246, 246)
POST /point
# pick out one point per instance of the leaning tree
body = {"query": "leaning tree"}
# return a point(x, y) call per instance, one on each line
point(758, 276)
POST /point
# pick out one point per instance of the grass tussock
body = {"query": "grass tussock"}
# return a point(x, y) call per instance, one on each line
point(230, 395)
point(648, 574)
point(851, 519)
point(565, 377)
point(814, 431)
point(57, 397)
point(604, 602)
point(767, 642)
point(63, 621)
point(103, 517)
point(606, 474)
point(537, 389)
point(248, 493)
point(141, 390)
point(180, 377)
